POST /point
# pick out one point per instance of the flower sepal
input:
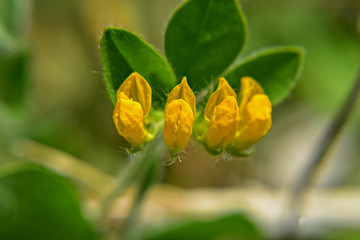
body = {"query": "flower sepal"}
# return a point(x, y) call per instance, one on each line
point(201, 126)
point(233, 151)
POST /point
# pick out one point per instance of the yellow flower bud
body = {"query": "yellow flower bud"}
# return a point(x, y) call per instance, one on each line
point(255, 114)
point(180, 112)
point(183, 91)
point(223, 90)
point(136, 88)
point(222, 112)
point(132, 106)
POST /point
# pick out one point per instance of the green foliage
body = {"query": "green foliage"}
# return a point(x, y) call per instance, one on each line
point(232, 226)
point(122, 53)
point(203, 37)
point(39, 204)
point(276, 69)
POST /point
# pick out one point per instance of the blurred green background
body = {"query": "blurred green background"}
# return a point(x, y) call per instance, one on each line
point(52, 91)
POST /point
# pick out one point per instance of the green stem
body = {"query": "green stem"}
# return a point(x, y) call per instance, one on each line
point(143, 168)
point(149, 177)
point(124, 180)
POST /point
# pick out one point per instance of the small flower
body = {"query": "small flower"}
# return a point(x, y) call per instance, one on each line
point(132, 106)
point(222, 114)
point(180, 111)
point(255, 114)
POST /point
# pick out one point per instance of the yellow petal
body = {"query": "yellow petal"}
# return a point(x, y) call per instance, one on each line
point(249, 87)
point(183, 91)
point(223, 90)
point(179, 121)
point(257, 122)
point(223, 123)
point(128, 118)
point(136, 88)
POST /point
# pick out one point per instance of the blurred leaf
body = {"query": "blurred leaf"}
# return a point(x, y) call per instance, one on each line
point(13, 76)
point(123, 52)
point(45, 206)
point(343, 234)
point(7, 207)
point(232, 226)
point(203, 37)
point(276, 69)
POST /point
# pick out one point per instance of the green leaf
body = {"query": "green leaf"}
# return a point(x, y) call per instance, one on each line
point(276, 69)
point(231, 226)
point(43, 206)
point(203, 38)
point(123, 52)
point(343, 234)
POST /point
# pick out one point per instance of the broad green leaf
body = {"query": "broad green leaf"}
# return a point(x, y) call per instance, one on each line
point(202, 39)
point(276, 69)
point(43, 206)
point(123, 52)
point(232, 226)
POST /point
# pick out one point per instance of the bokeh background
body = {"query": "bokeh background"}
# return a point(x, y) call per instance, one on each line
point(52, 93)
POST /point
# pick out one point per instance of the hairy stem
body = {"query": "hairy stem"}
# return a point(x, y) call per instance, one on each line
point(144, 171)
point(122, 182)
point(148, 179)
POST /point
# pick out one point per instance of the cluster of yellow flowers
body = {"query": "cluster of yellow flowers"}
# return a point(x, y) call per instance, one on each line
point(227, 121)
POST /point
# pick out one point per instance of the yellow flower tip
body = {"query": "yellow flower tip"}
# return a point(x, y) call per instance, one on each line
point(256, 122)
point(128, 118)
point(184, 92)
point(179, 119)
point(223, 90)
point(223, 123)
point(250, 84)
point(136, 88)
point(249, 87)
